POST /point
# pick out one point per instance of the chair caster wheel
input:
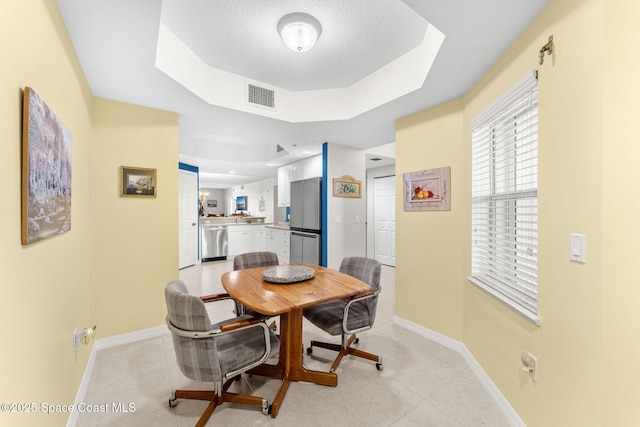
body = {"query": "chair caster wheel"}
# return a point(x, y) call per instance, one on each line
point(173, 401)
point(266, 409)
point(237, 377)
point(309, 350)
point(356, 341)
point(379, 366)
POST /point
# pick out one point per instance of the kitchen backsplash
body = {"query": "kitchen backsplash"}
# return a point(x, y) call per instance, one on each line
point(260, 197)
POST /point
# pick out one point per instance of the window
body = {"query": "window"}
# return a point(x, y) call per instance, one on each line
point(504, 139)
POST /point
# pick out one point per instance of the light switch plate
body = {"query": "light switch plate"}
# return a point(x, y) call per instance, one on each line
point(578, 249)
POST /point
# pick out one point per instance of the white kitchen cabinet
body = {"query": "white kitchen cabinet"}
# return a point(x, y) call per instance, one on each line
point(245, 238)
point(278, 242)
point(307, 168)
point(284, 186)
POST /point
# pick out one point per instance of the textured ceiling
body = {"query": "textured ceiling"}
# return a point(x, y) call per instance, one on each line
point(358, 37)
point(116, 42)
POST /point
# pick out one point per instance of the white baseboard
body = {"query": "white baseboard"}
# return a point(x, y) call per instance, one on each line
point(101, 344)
point(82, 390)
point(429, 334)
point(130, 337)
point(502, 403)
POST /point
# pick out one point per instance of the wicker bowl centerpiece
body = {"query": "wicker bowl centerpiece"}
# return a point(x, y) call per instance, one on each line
point(288, 274)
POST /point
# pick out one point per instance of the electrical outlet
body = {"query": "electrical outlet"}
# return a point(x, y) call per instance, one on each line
point(83, 337)
point(530, 364)
point(77, 339)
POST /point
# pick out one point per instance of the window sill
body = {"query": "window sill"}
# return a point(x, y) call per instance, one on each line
point(521, 311)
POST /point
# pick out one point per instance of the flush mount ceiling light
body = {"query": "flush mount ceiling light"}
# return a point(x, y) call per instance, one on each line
point(299, 31)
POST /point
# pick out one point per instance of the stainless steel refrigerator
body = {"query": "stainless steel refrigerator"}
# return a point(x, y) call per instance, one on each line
point(306, 221)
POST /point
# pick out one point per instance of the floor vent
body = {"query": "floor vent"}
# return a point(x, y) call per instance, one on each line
point(261, 96)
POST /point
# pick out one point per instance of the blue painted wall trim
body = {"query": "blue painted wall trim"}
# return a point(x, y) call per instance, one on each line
point(325, 200)
point(187, 167)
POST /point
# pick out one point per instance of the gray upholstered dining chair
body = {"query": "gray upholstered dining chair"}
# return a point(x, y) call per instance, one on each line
point(350, 316)
point(217, 353)
point(253, 260)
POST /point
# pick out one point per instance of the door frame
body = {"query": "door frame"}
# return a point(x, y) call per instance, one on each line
point(373, 173)
point(392, 241)
point(188, 169)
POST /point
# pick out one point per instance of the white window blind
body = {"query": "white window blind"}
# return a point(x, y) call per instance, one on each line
point(505, 198)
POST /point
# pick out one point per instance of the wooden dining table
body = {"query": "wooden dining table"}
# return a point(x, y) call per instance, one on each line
point(288, 301)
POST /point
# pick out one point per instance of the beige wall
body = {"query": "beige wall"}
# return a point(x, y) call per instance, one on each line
point(432, 247)
point(621, 214)
point(587, 341)
point(46, 286)
point(110, 268)
point(136, 239)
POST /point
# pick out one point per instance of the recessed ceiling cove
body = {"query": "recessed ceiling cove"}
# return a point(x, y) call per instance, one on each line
point(369, 53)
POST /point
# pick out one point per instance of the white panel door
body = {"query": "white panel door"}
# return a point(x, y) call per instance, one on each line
point(384, 193)
point(188, 218)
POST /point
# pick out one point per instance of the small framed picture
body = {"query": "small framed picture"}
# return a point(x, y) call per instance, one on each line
point(137, 182)
point(427, 190)
point(347, 186)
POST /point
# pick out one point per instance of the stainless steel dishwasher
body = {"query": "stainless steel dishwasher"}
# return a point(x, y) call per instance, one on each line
point(213, 241)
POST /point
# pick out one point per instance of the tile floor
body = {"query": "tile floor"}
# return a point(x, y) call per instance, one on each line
point(422, 384)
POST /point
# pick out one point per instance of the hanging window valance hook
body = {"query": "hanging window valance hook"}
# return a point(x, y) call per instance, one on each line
point(548, 47)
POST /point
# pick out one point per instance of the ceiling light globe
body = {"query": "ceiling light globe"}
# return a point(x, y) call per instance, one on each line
point(299, 31)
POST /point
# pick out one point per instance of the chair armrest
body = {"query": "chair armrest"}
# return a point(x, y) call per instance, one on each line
point(236, 324)
point(357, 297)
point(362, 294)
point(215, 297)
point(222, 328)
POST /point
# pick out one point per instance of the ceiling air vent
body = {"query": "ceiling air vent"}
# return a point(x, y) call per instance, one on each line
point(261, 96)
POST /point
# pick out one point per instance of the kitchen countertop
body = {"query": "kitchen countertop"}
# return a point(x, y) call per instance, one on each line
point(233, 224)
point(229, 220)
point(279, 227)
